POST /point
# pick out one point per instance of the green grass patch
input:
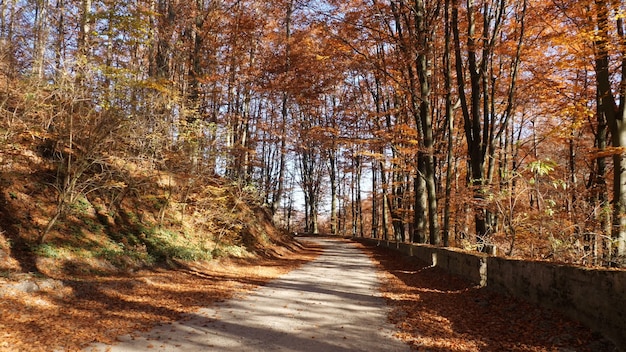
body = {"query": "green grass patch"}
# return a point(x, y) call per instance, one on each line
point(80, 206)
point(93, 226)
point(166, 244)
point(56, 251)
point(48, 250)
point(120, 256)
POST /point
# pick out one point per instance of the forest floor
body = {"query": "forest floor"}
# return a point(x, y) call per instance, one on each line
point(67, 312)
point(431, 310)
point(332, 303)
point(435, 311)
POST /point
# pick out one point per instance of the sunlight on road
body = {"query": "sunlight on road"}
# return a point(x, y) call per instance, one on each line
point(330, 304)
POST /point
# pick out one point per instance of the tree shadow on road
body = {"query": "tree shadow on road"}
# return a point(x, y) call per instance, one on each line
point(90, 308)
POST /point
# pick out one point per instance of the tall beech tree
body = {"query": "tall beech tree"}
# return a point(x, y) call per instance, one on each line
point(477, 80)
point(414, 28)
point(614, 109)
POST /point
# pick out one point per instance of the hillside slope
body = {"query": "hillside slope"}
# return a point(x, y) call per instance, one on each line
point(135, 246)
point(139, 217)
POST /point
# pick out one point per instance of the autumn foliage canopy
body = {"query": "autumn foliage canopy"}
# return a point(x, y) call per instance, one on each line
point(479, 124)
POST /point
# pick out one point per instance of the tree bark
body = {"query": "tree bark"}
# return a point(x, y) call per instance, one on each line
point(616, 122)
point(420, 207)
point(425, 121)
point(284, 116)
point(40, 37)
point(447, 67)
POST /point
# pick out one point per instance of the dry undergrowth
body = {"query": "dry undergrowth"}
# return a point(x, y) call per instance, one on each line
point(435, 311)
point(97, 309)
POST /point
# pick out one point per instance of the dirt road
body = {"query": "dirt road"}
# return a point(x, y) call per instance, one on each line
point(330, 304)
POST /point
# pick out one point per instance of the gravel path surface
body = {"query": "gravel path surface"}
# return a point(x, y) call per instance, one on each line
point(329, 304)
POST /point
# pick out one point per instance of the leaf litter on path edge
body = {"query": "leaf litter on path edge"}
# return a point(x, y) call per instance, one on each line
point(435, 311)
point(90, 309)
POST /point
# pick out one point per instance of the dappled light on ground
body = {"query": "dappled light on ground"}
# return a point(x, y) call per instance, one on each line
point(439, 312)
point(98, 309)
point(329, 304)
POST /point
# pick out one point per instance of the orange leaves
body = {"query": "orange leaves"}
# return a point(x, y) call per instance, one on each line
point(97, 309)
point(608, 152)
point(438, 312)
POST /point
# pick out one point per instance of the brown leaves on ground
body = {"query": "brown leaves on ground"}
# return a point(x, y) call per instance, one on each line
point(435, 311)
point(98, 309)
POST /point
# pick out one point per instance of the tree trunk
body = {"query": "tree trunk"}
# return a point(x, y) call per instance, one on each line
point(616, 123)
point(420, 207)
point(619, 196)
point(353, 200)
point(447, 67)
point(40, 39)
point(332, 174)
point(359, 201)
point(478, 117)
point(374, 200)
point(385, 201)
point(397, 190)
point(284, 115)
point(599, 186)
point(429, 159)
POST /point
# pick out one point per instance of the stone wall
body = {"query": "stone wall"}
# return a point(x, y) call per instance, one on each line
point(595, 297)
